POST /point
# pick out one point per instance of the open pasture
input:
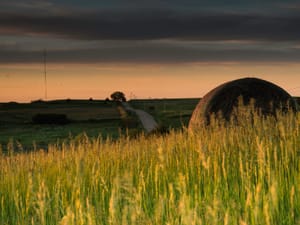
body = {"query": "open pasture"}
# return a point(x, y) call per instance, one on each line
point(91, 117)
point(94, 118)
point(76, 110)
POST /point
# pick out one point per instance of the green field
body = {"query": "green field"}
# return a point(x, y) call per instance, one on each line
point(222, 174)
point(92, 118)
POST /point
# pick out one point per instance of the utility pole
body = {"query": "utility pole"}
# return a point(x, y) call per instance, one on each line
point(45, 72)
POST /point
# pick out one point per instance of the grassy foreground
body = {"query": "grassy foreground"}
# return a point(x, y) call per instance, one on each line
point(247, 174)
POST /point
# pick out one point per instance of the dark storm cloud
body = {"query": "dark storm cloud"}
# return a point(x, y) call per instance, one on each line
point(149, 53)
point(147, 35)
point(155, 24)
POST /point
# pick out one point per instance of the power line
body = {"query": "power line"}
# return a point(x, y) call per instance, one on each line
point(45, 72)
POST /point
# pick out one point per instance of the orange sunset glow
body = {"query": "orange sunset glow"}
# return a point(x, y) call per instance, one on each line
point(24, 83)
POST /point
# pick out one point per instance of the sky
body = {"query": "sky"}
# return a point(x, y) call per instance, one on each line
point(147, 49)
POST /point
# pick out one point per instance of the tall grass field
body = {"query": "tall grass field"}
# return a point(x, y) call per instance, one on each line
point(222, 174)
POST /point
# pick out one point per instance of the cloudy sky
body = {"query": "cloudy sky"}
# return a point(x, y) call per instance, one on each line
point(158, 48)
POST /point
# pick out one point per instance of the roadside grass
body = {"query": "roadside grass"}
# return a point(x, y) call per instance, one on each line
point(130, 123)
point(221, 174)
point(169, 113)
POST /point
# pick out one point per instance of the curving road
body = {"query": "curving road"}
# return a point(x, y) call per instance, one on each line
point(147, 120)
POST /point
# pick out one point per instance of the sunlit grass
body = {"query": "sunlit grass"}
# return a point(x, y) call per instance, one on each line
point(245, 174)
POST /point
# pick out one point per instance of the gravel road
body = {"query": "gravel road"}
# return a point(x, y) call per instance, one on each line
point(147, 120)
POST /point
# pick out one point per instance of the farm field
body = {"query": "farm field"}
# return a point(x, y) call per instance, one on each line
point(90, 117)
point(93, 118)
point(246, 174)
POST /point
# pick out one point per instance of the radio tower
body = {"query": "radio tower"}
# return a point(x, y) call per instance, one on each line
point(45, 72)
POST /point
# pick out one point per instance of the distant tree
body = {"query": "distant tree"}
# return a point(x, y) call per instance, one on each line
point(118, 96)
point(107, 100)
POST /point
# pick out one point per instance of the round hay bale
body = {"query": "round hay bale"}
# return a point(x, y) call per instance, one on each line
point(267, 97)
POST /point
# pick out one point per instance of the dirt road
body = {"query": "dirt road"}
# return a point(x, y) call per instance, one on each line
point(147, 120)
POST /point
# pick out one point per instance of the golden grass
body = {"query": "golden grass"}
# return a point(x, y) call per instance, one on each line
point(222, 174)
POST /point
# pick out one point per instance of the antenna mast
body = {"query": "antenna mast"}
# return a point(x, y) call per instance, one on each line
point(45, 72)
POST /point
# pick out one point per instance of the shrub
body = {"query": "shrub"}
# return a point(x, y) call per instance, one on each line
point(50, 118)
